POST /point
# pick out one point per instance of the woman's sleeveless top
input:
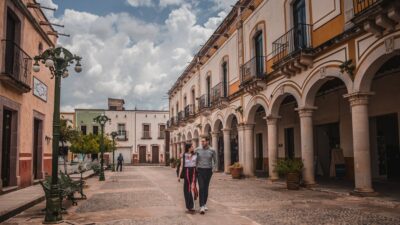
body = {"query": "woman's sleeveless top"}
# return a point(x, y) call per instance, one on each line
point(190, 160)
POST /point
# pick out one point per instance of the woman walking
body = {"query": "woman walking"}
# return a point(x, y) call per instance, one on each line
point(188, 173)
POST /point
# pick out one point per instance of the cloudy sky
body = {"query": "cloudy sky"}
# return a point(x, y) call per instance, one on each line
point(131, 49)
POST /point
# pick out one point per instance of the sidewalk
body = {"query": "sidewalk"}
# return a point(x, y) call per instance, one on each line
point(17, 201)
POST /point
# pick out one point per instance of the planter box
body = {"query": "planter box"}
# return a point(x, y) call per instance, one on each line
point(293, 181)
point(236, 173)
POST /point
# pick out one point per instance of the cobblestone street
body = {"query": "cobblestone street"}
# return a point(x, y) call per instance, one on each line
point(152, 195)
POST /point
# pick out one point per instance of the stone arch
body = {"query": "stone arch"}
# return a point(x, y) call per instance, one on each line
point(217, 118)
point(318, 78)
point(189, 136)
point(252, 106)
point(196, 133)
point(230, 112)
point(207, 129)
point(280, 93)
point(370, 65)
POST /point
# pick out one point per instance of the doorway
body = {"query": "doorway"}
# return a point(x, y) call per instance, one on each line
point(259, 53)
point(37, 149)
point(327, 139)
point(6, 148)
point(289, 142)
point(299, 21)
point(155, 154)
point(142, 154)
point(221, 162)
point(387, 143)
point(259, 152)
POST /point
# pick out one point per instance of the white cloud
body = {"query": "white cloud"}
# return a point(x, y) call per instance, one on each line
point(48, 3)
point(126, 57)
point(137, 3)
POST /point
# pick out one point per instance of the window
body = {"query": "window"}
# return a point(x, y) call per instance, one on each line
point(146, 131)
point(83, 129)
point(121, 129)
point(225, 79)
point(258, 46)
point(299, 21)
point(95, 130)
point(12, 33)
point(113, 108)
point(193, 96)
point(208, 85)
point(162, 131)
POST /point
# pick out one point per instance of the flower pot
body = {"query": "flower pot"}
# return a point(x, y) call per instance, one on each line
point(293, 181)
point(236, 173)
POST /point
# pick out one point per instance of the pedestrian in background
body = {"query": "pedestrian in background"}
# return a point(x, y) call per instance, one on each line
point(120, 160)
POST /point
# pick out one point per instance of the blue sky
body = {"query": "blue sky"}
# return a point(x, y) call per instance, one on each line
point(131, 49)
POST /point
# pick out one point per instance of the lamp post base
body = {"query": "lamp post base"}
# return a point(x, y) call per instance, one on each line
point(53, 207)
point(101, 176)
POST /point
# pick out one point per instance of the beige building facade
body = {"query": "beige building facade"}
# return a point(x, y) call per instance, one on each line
point(310, 79)
point(26, 98)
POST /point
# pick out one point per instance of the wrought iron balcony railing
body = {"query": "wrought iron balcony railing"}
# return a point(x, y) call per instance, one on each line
point(181, 116)
point(189, 110)
point(204, 102)
point(360, 6)
point(146, 135)
point(122, 135)
point(218, 92)
point(17, 65)
point(296, 40)
point(254, 68)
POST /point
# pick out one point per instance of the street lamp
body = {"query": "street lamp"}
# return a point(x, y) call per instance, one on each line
point(113, 135)
point(57, 60)
point(102, 120)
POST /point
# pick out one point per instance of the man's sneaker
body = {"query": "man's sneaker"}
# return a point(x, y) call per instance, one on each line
point(202, 210)
point(205, 208)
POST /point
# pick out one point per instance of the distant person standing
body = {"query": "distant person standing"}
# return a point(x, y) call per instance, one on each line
point(120, 160)
point(206, 156)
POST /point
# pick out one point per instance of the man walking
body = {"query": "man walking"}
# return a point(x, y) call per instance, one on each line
point(206, 156)
point(120, 160)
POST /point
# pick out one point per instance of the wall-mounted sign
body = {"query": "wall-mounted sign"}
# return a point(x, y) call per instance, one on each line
point(39, 89)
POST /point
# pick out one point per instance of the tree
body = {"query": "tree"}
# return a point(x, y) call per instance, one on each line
point(67, 134)
point(85, 144)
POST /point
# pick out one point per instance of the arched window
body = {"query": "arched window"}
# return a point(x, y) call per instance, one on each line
point(225, 81)
point(208, 89)
point(259, 53)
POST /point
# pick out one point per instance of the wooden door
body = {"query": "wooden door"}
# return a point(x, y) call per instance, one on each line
point(6, 148)
point(142, 154)
point(155, 154)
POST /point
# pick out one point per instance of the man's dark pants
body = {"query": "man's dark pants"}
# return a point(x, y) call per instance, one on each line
point(203, 177)
point(119, 165)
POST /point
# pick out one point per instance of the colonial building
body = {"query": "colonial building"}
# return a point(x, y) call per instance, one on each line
point(310, 79)
point(141, 133)
point(26, 98)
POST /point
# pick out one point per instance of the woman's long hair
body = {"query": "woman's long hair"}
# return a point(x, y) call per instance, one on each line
point(187, 147)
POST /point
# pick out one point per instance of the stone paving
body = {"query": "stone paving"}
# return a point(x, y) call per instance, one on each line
point(152, 195)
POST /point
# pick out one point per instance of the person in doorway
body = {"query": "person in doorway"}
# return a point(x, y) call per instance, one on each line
point(188, 173)
point(206, 161)
point(120, 160)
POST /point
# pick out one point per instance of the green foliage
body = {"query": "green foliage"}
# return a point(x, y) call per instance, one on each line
point(236, 165)
point(67, 134)
point(286, 166)
point(172, 161)
point(85, 144)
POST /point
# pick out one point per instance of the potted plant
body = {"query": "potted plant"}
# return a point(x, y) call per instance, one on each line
point(291, 168)
point(236, 170)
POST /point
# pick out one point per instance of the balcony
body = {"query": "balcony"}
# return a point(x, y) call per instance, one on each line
point(376, 16)
point(172, 123)
point(146, 135)
point(190, 113)
point(219, 97)
point(122, 135)
point(204, 105)
point(253, 74)
point(293, 51)
point(181, 118)
point(16, 70)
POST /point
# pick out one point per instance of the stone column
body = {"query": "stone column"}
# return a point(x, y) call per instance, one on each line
point(248, 168)
point(241, 148)
point(215, 145)
point(361, 148)
point(182, 148)
point(194, 142)
point(272, 123)
point(227, 149)
point(307, 144)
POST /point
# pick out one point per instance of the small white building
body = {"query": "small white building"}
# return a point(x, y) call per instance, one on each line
point(141, 133)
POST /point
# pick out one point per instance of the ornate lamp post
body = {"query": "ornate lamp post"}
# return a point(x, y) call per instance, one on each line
point(113, 135)
point(57, 60)
point(102, 120)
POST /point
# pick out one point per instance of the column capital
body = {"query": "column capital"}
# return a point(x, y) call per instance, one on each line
point(247, 126)
point(272, 120)
point(358, 98)
point(226, 131)
point(306, 111)
point(214, 134)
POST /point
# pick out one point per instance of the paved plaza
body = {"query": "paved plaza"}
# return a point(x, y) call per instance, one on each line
point(152, 195)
